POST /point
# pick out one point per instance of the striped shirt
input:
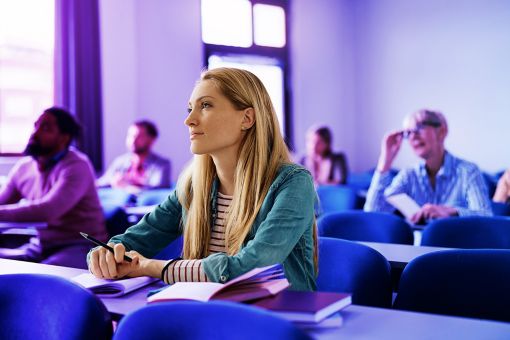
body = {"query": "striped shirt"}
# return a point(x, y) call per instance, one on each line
point(191, 270)
point(459, 184)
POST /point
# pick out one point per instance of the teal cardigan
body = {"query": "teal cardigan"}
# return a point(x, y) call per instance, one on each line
point(282, 232)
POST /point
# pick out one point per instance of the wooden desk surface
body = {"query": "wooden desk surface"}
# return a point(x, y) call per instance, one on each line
point(359, 322)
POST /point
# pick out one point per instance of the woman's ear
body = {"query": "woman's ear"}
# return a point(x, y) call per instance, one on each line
point(248, 118)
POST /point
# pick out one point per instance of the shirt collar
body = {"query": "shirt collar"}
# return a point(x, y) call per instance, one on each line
point(446, 169)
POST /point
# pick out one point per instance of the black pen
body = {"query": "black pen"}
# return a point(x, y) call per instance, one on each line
point(102, 244)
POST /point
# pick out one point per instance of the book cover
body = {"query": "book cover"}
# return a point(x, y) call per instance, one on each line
point(305, 307)
point(111, 288)
point(255, 284)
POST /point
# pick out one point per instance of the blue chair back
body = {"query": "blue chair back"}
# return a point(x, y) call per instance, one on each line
point(198, 320)
point(366, 226)
point(116, 219)
point(468, 232)
point(171, 251)
point(500, 209)
point(35, 306)
point(153, 196)
point(336, 198)
point(351, 267)
point(491, 183)
point(464, 282)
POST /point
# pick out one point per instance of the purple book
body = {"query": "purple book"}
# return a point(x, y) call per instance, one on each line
point(311, 307)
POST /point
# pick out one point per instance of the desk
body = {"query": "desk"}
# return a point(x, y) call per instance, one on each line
point(399, 255)
point(21, 225)
point(360, 322)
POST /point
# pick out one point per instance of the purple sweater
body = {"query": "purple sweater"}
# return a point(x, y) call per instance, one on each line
point(64, 196)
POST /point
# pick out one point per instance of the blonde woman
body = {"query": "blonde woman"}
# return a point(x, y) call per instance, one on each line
point(240, 204)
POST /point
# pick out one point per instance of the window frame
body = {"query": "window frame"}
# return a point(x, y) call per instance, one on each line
point(279, 53)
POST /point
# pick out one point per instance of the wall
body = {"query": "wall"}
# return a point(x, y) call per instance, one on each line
point(322, 61)
point(448, 55)
point(152, 56)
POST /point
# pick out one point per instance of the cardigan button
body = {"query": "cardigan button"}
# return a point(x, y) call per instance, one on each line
point(223, 278)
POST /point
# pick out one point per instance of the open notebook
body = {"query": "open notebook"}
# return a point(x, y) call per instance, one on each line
point(111, 288)
point(257, 283)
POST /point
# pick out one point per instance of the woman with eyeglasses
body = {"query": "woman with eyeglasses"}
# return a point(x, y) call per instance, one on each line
point(240, 204)
point(442, 185)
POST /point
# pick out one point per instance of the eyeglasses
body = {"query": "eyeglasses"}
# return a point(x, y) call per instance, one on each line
point(419, 128)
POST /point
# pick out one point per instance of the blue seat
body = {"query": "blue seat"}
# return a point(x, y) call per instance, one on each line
point(171, 251)
point(333, 198)
point(198, 320)
point(491, 182)
point(468, 232)
point(463, 282)
point(153, 196)
point(500, 209)
point(35, 306)
point(346, 266)
point(366, 226)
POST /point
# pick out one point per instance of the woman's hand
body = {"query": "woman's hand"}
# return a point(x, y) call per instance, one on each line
point(105, 265)
point(390, 147)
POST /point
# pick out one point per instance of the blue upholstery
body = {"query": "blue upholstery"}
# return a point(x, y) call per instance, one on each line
point(468, 232)
point(198, 320)
point(336, 198)
point(153, 196)
point(116, 219)
point(346, 266)
point(35, 306)
point(491, 182)
point(500, 209)
point(171, 251)
point(470, 283)
point(366, 226)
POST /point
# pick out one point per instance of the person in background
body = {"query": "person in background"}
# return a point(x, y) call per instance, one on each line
point(502, 193)
point(326, 167)
point(241, 203)
point(53, 184)
point(140, 168)
point(443, 185)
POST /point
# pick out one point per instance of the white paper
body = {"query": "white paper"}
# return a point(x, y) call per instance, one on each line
point(405, 204)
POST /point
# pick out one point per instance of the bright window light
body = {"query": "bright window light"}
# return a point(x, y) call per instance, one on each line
point(270, 74)
point(27, 31)
point(227, 22)
point(269, 24)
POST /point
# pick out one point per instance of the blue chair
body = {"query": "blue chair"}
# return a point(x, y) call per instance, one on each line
point(153, 196)
point(346, 266)
point(491, 182)
point(198, 320)
point(333, 198)
point(171, 251)
point(500, 209)
point(366, 226)
point(35, 306)
point(468, 283)
point(468, 232)
point(116, 219)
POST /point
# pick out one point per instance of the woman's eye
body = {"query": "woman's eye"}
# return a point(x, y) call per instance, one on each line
point(189, 110)
point(205, 105)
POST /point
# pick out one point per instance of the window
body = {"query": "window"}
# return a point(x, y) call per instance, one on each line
point(27, 30)
point(251, 35)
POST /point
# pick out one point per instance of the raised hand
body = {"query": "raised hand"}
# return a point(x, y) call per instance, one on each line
point(390, 147)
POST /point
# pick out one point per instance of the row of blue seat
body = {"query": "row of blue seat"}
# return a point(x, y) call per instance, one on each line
point(470, 283)
point(455, 232)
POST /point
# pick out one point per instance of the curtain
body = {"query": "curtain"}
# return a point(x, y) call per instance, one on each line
point(78, 71)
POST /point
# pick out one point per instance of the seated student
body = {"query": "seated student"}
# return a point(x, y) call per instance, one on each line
point(241, 203)
point(502, 193)
point(326, 167)
point(54, 185)
point(443, 185)
point(140, 168)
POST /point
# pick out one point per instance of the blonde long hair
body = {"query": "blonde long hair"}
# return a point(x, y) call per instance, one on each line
point(261, 153)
